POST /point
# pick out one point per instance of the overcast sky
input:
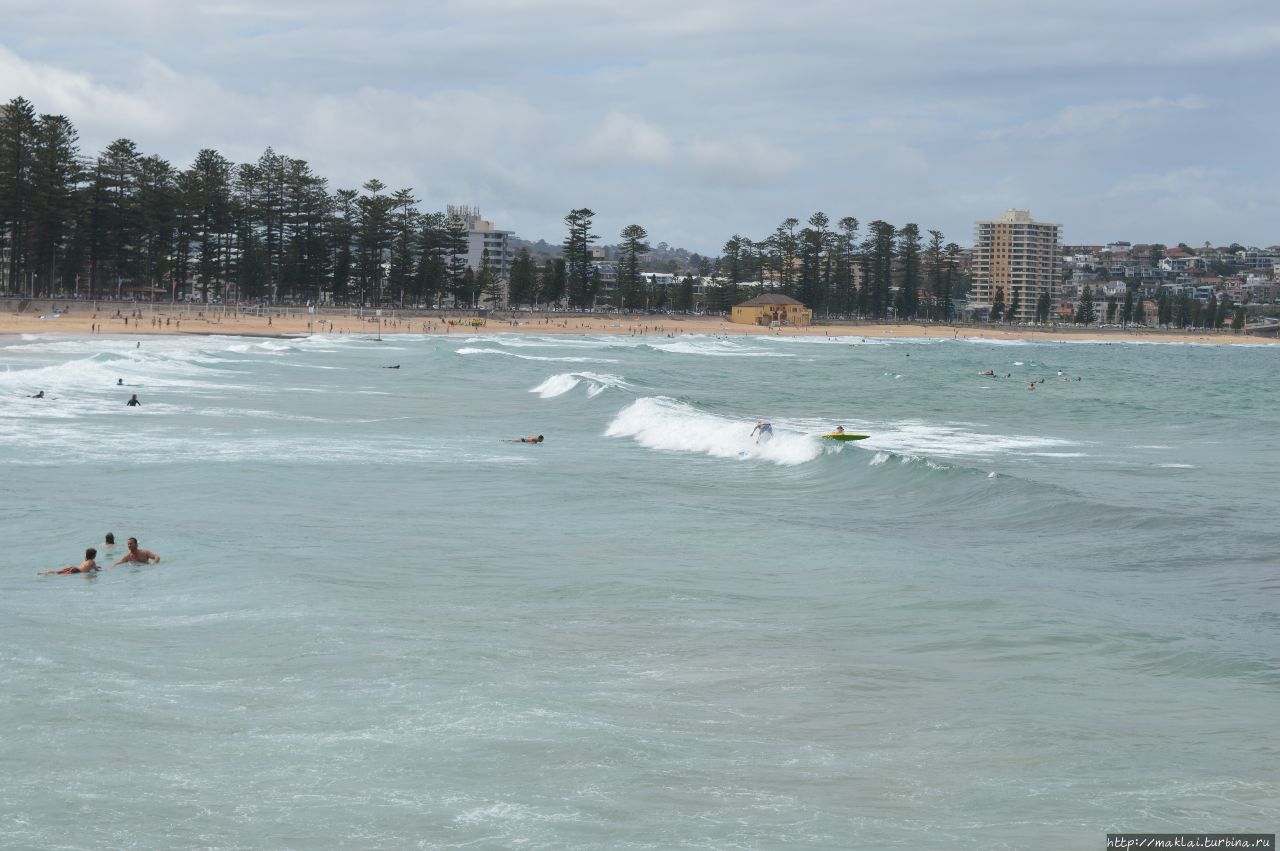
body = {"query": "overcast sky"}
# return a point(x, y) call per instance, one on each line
point(1147, 120)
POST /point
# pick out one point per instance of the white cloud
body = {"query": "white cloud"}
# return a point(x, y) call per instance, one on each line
point(711, 117)
point(625, 137)
point(1106, 116)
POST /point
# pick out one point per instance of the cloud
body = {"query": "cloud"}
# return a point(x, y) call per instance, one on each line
point(625, 137)
point(706, 118)
point(1105, 116)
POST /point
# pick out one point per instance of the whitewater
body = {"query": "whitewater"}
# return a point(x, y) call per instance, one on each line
point(1011, 618)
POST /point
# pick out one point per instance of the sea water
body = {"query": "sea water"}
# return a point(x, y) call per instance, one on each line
point(1010, 619)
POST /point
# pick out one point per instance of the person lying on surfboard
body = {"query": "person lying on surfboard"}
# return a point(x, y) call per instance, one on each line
point(86, 566)
point(537, 439)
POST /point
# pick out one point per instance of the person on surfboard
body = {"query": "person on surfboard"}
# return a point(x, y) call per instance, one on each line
point(537, 439)
point(86, 566)
point(765, 428)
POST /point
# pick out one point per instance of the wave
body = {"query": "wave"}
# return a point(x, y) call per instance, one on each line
point(658, 422)
point(711, 347)
point(920, 438)
point(469, 350)
point(597, 383)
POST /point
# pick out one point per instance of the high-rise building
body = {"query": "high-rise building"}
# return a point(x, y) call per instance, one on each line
point(482, 236)
point(1020, 257)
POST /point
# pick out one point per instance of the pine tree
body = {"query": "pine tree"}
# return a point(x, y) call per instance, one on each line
point(631, 289)
point(581, 283)
point(522, 284)
point(908, 302)
point(1140, 311)
point(1126, 310)
point(1238, 319)
point(997, 305)
point(1043, 304)
point(1085, 314)
point(17, 186)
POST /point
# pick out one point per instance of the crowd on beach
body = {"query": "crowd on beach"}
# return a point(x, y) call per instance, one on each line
point(134, 555)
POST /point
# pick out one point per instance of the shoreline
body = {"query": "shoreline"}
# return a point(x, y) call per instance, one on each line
point(184, 321)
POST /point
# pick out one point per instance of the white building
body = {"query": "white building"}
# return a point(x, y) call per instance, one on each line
point(483, 236)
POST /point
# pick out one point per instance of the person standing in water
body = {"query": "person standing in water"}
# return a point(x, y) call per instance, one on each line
point(137, 555)
point(133, 401)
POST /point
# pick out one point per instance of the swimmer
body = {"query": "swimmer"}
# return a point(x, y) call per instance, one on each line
point(137, 556)
point(119, 382)
point(765, 429)
point(1031, 386)
point(86, 566)
point(133, 401)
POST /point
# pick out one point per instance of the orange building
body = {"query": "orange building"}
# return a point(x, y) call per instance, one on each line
point(770, 308)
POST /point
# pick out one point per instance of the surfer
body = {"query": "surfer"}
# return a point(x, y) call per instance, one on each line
point(765, 429)
point(137, 555)
point(397, 366)
point(535, 439)
point(39, 395)
point(119, 382)
point(133, 401)
point(86, 566)
point(839, 430)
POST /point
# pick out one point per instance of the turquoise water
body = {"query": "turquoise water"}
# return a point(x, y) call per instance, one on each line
point(1010, 619)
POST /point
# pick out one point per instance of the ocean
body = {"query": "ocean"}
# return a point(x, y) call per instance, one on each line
point(1009, 619)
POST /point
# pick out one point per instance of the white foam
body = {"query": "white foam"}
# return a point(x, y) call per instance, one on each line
point(597, 383)
point(920, 438)
point(657, 422)
point(710, 347)
point(470, 350)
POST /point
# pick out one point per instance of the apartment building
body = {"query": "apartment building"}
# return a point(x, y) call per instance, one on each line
point(483, 236)
point(1018, 255)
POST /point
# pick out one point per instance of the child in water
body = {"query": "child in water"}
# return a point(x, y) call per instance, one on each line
point(86, 566)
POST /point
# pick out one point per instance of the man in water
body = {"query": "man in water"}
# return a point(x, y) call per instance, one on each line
point(137, 555)
point(839, 430)
point(119, 382)
point(765, 428)
point(133, 400)
point(39, 395)
point(86, 566)
point(537, 439)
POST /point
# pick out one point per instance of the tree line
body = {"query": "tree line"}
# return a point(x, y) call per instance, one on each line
point(891, 272)
point(125, 221)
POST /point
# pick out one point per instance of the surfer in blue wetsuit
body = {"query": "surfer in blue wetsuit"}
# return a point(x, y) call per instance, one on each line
point(765, 429)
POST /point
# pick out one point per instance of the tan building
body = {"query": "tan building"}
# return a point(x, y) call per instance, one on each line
point(1021, 257)
point(770, 308)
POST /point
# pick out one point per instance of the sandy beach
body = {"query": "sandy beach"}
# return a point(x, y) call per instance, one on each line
point(145, 320)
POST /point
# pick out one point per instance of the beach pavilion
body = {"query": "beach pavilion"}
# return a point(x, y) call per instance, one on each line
point(772, 309)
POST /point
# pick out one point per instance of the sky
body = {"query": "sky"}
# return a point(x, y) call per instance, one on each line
point(1145, 120)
